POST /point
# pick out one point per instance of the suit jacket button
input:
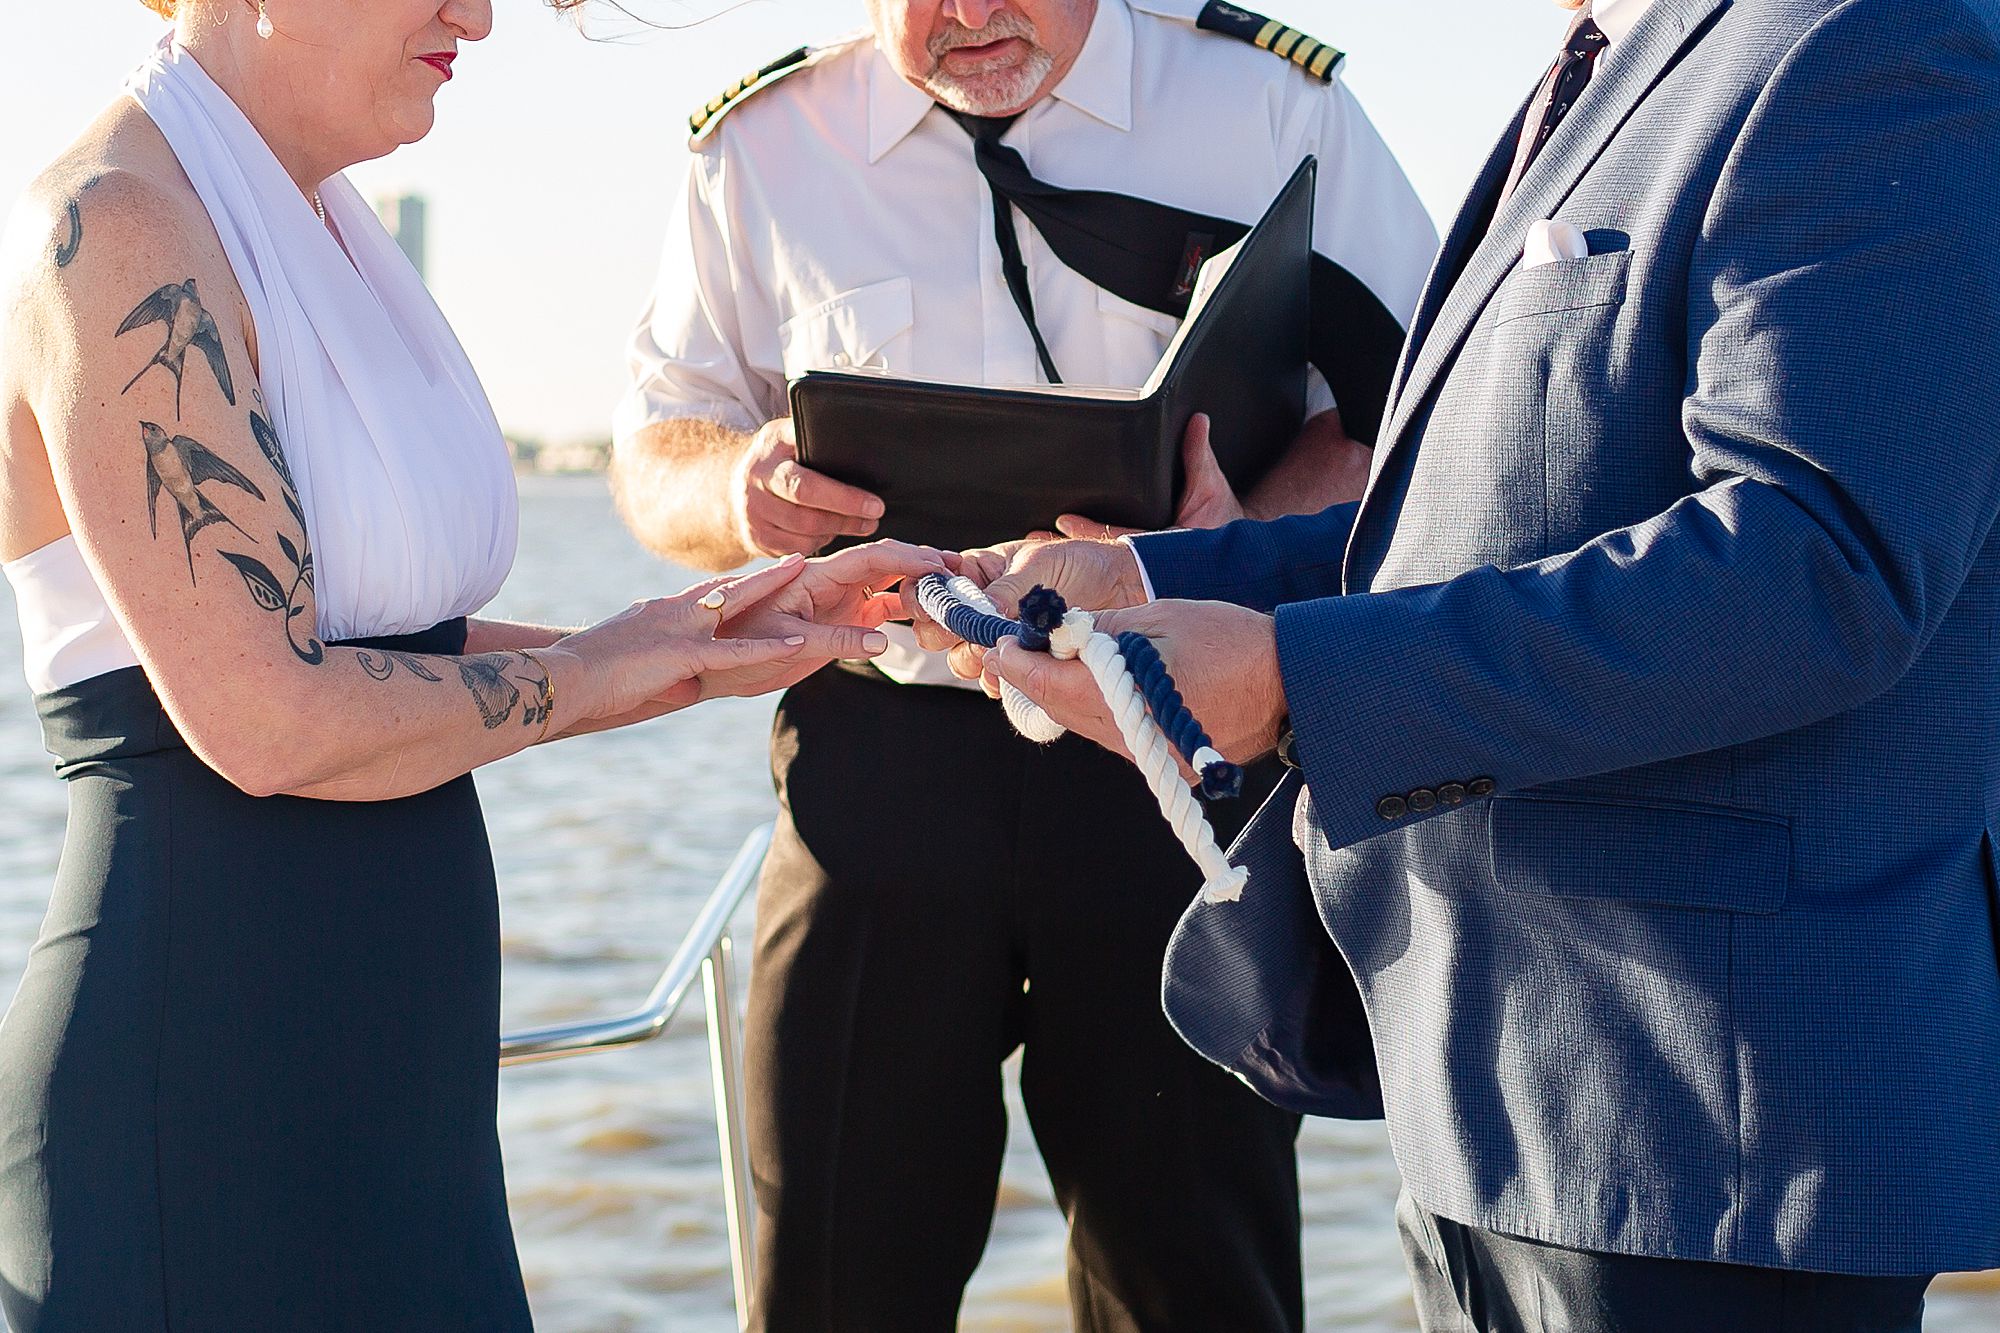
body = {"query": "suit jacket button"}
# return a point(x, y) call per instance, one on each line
point(1423, 800)
point(1452, 793)
point(1479, 787)
point(1392, 807)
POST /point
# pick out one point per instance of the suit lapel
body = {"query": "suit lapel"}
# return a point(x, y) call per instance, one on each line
point(1451, 308)
point(1465, 233)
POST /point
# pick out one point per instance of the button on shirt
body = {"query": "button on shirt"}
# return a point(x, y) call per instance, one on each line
point(836, 220)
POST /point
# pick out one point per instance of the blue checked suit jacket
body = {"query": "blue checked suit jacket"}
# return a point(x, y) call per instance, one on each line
point(1686, 549)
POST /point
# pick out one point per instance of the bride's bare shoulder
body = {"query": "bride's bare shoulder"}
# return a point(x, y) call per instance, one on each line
point(89, 247)
point(115, 197)
point(71, 248)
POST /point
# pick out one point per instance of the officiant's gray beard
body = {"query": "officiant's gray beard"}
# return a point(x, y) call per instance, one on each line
point(1001, 92)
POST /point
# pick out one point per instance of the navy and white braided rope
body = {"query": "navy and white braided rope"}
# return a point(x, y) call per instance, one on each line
point(1138, 690)
point(963, 607)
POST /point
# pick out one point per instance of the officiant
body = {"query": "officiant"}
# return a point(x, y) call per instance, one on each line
point(993, 192)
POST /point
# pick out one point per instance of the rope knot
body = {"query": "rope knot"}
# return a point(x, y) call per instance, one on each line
point(1042, 610)
point(1067, 643)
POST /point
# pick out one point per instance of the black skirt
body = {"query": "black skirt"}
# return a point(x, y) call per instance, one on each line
point(249, 1079)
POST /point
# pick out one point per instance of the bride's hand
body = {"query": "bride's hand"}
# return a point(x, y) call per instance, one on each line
point(857, 586)
point(660, 655)
point(840, 600)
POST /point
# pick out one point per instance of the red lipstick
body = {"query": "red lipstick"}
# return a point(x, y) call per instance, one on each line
point(441, 62)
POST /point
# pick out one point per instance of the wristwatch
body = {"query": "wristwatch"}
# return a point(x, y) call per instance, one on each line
point(1288, 744)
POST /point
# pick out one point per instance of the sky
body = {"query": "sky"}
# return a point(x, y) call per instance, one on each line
point(555, 158)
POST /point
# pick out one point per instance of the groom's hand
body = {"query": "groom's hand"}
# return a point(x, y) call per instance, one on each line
point(1094, 575)
point(1223, 658)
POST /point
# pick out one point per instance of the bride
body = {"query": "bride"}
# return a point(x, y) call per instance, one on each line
point(252, 497)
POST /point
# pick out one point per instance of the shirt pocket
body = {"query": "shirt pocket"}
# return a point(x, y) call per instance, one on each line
point(863, 327)
point(1112, 306)
point(1130, 341)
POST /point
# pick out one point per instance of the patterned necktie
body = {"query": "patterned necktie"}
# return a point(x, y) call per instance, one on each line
point(1149, 253)
point(1561, 91)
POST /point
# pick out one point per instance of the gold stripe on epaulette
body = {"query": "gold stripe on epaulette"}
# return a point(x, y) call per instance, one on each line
point(749, 83)
point(715, 104)
point(1310, 54)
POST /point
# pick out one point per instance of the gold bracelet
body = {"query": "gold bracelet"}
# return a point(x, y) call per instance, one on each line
point(548, 700)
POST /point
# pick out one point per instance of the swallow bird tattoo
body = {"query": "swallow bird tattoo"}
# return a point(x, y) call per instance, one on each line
point(189, 325)
point(179, 466)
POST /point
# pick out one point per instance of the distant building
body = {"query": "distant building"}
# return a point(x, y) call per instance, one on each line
point(403, 215)
point(574, 456)
point(582, 455)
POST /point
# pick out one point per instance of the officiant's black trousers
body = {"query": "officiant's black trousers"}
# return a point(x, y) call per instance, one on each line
point(942, 892)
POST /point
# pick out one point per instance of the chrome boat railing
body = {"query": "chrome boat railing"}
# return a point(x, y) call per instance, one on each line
point(706, 953)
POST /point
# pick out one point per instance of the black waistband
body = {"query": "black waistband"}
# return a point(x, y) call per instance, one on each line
point(445, 639)
point(118, 716)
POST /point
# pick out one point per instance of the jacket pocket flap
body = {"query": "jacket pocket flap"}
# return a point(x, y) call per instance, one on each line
point(1676, 855)
point(1568, 284)
point(848, 329)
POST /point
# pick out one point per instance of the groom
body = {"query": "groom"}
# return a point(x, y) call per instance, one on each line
point(1646, 711)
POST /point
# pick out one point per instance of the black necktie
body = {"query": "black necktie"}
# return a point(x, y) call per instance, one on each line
point(1148, 253)
point(991, 157)
point(1561, 90)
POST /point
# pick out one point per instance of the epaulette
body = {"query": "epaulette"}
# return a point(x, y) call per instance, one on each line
point(1308, 53)
point(706, 117)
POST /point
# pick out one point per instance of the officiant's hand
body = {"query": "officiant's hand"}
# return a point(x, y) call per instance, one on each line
point(1207, 500)
point(1323, 467)
point(782, 507)
point(1224, 660)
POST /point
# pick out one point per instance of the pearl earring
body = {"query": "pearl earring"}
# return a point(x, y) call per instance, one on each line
point(264, 28)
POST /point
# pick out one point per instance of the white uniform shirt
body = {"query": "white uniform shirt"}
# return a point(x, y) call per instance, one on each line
point(837, 220)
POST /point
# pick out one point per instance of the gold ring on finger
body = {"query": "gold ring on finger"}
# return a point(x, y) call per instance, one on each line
point(715, 601)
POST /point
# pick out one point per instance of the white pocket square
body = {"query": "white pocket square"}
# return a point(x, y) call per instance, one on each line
point(1550, 242)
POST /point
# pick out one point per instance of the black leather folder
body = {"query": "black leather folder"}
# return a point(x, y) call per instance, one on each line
point(961, 466)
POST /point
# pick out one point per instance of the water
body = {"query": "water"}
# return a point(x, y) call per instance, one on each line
point(606, 845)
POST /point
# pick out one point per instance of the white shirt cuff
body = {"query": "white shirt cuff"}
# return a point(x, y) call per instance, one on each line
point(1145, 579)
point(1319, 394)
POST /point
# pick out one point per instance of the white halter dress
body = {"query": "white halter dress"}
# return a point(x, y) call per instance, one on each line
point(401, 469)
